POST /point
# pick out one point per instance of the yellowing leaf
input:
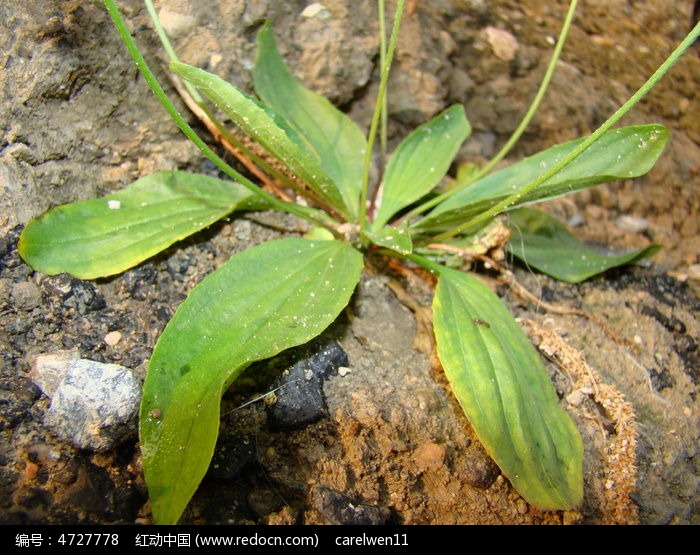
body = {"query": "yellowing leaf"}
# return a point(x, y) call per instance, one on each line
point(505, 391)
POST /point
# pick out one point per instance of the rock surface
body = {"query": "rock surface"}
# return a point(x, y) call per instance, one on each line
point(93, 405)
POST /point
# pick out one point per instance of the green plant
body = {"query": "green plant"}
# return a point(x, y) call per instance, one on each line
point(285, 292)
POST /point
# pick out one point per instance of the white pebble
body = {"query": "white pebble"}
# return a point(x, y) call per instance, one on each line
point(633, 224)
point(316, 10)
point(112, 338)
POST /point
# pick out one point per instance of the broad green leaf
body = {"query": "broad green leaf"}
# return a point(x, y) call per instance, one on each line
point(421, 161)
point(262, 301)
point(334, 139)
point(265, 127)
point(505, 391)
point(544, 243)
point(105, 236)
point(396, 238)
point(619, 154)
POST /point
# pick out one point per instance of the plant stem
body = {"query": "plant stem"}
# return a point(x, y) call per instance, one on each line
point(384, 78)
point(199, 101)
point(612, 120)
point(429, 265)
point(515, 137)
point(308, 214)
point(382, 62)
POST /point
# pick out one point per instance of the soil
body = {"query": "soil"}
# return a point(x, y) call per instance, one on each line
point(79, 122)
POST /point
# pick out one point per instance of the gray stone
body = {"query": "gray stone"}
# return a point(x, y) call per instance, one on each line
point(93, 405)
point(25, 295)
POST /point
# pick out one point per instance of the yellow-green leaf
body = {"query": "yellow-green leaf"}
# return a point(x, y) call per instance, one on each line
point(105, 236)
point(505, 391)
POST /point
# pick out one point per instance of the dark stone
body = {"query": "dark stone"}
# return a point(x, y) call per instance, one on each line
point(84, 297)
point(178, 263)
point(336, 508)
point(480, 471)
point(93, 491)
point(231, 455)
point(661, 379)
point(662, 287)
point(547, 294)
point(264, 501)
point(33, 498)
point(300, 401)
point(129, 499)
point(8, 244)
point(136, 280)
point(8, 483)
point(671, 323)
point(687, 349)
point(17, 395)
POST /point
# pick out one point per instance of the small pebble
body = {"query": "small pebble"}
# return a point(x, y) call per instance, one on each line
point(175, 23)
point(576, 398)
point(694, 271)
point(480, 471)
point(576, 220)
point(316, 10)
point(112, 338)
point(344, 371)
point(633, 224)
point(429, 456)
point(31, 470)
point(502, 42)
point(25, 295)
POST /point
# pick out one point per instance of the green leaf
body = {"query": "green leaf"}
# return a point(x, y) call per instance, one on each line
point(105, 236)
point(619, 154)
point(421, 161)
point(262, 301)
point(395, 238)
point(505, 391)
point(265, 127)
point(544, 243)
point(334, 139)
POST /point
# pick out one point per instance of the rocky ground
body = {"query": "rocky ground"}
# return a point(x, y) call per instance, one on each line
point(391, 444)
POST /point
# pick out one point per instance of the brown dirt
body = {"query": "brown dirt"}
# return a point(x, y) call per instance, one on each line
point(78, 122)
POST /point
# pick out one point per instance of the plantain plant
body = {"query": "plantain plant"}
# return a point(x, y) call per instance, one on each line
point(285, 292)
